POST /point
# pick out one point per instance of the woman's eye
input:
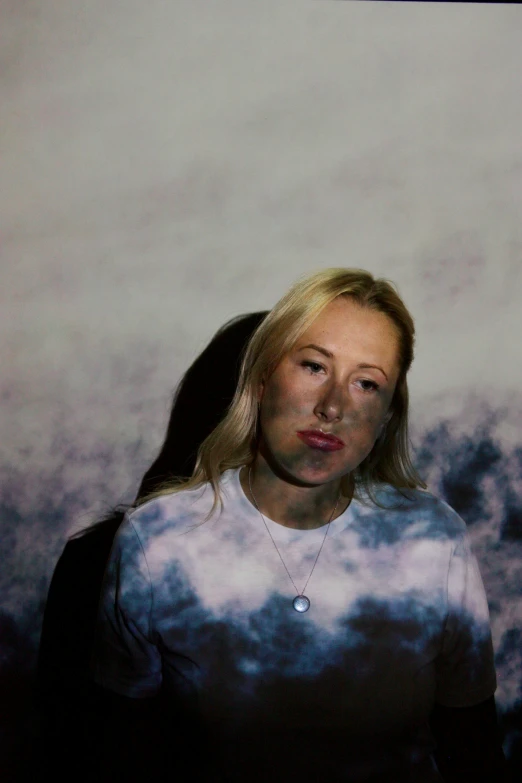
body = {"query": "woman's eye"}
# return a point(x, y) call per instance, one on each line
point(314, 367)
point(368, 386)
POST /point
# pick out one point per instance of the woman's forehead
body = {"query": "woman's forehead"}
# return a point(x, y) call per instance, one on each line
point(344, 324)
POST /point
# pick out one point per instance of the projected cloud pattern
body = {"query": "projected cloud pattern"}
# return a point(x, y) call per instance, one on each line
point(398, 618)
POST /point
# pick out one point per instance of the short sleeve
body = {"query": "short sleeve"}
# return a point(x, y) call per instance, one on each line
point(125, 658)
point(465, 666)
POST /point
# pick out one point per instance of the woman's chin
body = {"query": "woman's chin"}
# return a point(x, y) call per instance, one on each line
point(312, 477)
point(307, 470)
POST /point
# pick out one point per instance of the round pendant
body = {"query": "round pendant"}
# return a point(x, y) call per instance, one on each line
point(301, 603)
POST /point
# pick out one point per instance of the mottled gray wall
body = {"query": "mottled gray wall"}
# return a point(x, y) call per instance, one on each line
point(166, 166)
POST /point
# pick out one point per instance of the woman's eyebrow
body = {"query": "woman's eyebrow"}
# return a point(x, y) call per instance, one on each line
point(329, 355)
point(372, 367)
point(324, 351)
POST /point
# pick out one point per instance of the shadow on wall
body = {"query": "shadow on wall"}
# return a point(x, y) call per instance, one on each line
point(63, 721)
point(460, 468)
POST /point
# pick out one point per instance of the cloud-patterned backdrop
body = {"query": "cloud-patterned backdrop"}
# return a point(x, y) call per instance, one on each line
point(165, 167)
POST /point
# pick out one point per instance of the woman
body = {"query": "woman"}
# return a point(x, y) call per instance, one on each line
point(301, 600)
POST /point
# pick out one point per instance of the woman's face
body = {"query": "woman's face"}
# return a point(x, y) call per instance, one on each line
point(324, 405)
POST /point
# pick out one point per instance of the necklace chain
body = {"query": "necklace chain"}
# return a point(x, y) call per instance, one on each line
point(277, 548)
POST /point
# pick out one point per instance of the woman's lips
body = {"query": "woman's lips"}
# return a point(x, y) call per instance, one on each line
point(321, 441)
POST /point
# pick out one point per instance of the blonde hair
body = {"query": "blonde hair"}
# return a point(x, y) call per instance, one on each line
point(233, 443)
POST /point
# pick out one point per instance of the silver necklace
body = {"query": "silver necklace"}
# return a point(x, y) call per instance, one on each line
point(301, 602)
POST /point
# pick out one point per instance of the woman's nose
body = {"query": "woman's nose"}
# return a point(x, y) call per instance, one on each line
point(330, 405)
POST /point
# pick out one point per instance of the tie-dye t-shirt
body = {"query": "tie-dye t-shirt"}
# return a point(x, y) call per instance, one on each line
point(398, 620)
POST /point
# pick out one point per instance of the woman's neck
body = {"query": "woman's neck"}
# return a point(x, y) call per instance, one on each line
point(291, 505)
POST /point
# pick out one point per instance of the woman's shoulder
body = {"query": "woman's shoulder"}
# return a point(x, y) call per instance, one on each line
point(177, 511)
point(174, 511)
point(414, 511)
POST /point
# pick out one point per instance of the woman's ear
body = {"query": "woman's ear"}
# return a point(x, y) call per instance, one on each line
point(382, 428)
point(260, 391)
point(387, 418)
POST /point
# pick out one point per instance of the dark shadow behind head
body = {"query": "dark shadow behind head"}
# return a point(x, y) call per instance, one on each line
point(200, 402)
